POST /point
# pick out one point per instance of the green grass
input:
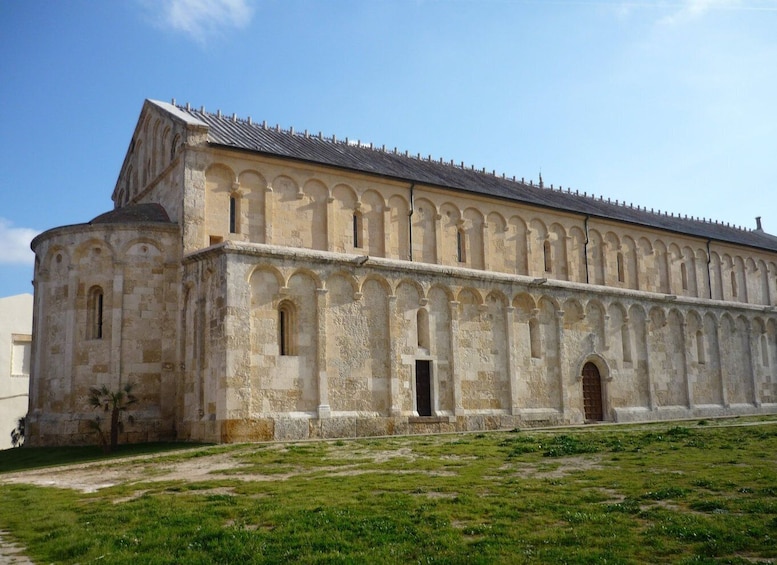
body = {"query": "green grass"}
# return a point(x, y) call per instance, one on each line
point(692, 492)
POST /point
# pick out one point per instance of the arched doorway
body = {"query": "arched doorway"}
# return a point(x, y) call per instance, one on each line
point(592, 393)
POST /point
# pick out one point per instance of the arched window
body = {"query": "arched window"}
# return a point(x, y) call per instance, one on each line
point(621, 274)
point(94, 314)
point(701, 355)
point(461, 248)
point(287, 328)
point(357, 230)
point(546, 252)
point(234, 213)
point(534, 338)
point(684, 275)
point(422, 328)
point(734, 289)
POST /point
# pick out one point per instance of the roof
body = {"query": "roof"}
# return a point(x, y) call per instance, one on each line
point(230, 131)
point(136, 213)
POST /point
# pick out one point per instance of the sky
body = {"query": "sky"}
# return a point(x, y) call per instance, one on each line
point(669, 104)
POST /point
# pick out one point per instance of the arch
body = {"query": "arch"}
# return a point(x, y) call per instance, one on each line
point(399, 237)
point(596, 258)
point(473, 230)
point(477, 297)
point(304, 272)
point(619, 322)
point(595, 314)
point(612, 246)
point(573, 312)
point(445, 290)
point(576, 255)
point(557, 235)
point(379, 280)
point(347, 276)
point(424, 245)
point(716, 276)
point(763, 283)
point(56, 261)
point(498, 258)
point(518, 251)
point(92, 250)
point(142, 249)
point(524, 304)
point(347, 219)
point(253, 186)
point(496, 295)
point(453, 237)
point(419, 289)
point(539, 235)
point(220, 212)
point(373, 223)
point(272, 271)
point(630, 263)
point(164, 148)
point(689, 266)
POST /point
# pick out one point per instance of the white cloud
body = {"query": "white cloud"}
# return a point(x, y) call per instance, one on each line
point(202, 19)
point(16, 244)
point(693, 9)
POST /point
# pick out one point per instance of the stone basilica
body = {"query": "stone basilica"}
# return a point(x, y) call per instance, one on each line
point(256, 283)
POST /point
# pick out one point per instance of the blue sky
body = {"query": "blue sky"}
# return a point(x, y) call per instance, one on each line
point(667, 104)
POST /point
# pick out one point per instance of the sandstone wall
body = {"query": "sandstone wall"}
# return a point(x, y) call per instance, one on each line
point(505, 350)
point(106, 314)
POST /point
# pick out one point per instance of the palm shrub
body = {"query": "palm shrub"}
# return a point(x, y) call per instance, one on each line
point(17, 434)
point(114, 402)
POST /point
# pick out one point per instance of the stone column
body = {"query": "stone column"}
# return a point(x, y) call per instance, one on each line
point(395, 407)
point(561, 361)
point(324, 410)
point(512, 361)
point(437, 239)
point(387, 234)
point(117, 315)
point(269, 198)
point(531, 269)
point(458, 404)
point(686, 370)
point(751, 346)
point(71, 318)
point(485, 240)
point(723, 387)
point(651, 391)
point(330, 224)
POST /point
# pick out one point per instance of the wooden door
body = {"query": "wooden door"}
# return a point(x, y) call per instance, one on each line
point(423, 388)
point(592, 393)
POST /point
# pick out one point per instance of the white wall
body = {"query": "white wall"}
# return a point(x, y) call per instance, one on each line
point(15, 332)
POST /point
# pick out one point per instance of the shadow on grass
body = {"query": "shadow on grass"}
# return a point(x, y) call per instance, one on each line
point(27, 458)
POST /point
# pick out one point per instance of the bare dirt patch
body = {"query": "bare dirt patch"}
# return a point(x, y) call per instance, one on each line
point(555, 468)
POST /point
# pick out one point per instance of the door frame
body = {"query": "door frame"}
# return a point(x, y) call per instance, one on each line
point(605, 376)
point(432, 391)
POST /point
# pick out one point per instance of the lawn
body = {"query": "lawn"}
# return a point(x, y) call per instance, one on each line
point(684, 492)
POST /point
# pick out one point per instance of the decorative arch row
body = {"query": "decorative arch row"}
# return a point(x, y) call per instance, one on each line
point(482, 339)
point(150, 152)
point(492, 236)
